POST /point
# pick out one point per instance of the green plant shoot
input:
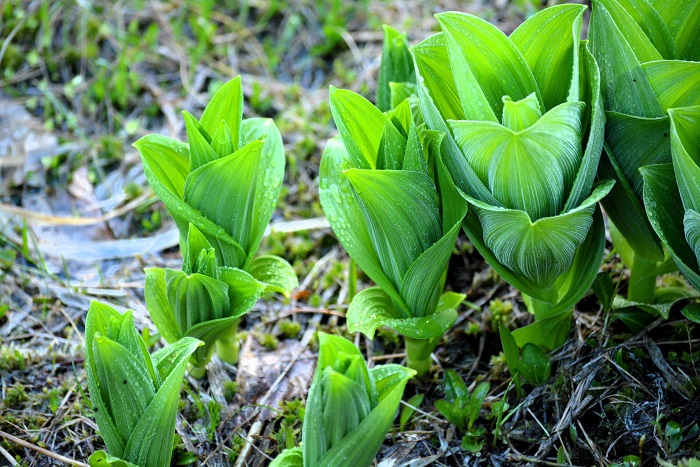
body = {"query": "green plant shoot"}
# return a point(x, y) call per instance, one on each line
point(349, 410)
point(134, 395)
point(396, 223)
point(397, 76)
point(462, 409)
point(525, 131)
point(204, 301)
point(225, 182)
point(641, 50)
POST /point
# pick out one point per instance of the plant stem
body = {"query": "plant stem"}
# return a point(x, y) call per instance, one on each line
point(642, 283)
point(418, 353)
point(197, 372)
point(227, 346)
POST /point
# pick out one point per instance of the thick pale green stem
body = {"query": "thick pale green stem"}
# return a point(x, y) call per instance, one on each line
point(418, 353)
point(642, 284)
point(197, 372)
point(227, 346)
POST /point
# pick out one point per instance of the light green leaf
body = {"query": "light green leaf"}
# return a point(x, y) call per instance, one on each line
point(455, 388)
point(403, 214)
point(371, 431)
point(289, 458)
point(497, 67)
point(361, 136)
point(195, 298)
point(158, 305)
point(208, 332)
point(691, 222)
point(166, 162)
point(221, 142)
point(530, 170)
point(275, 273)
point(345, 405)
point(171, 357)
point(346, 216)
point(396, 66)
point(685, 148)
point(520, 115)
point(652, 25)
point(615, 38)
point(196, 243)
point(243, 290)
point(549, 42)
point(103, 459)
point(270, 170)
point(549, 333)
point(201, 151)
point(392, 147)
point(125, 387)
point(226, 104)
point(226, 192)
point(625, 16)
point(535, 365)
point(401, 92)
point(683, 21)
point(675, 83)
point(151, 441)
point(510, 350)
point(372, 308)
point(662, 201)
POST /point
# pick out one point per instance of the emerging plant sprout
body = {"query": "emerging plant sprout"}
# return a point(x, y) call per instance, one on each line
point(134, 395)
point(525, 131)
point(643, 75)
point(221, 190)
point(396, 223)
point(349, 410)
point(397, 76)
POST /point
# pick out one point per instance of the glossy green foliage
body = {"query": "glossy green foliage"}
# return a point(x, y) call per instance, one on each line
point(394, 208)
point(203, 300)
point(349, 406)
point(642, 46)
point(134, 395)
point(462, 408)
point(668, 186)
point(524, 125)
point(225, 182)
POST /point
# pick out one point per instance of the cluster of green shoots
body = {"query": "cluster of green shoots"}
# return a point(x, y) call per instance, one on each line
point(514, 139)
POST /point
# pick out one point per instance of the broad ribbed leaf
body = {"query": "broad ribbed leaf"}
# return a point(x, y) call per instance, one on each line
point(594, 126)
point(683, 21)
point(201, 151)
point(196, 243)
point(243, 290)
point(439, 101)
point(371, 431)
point(520, 115)
point(676, 83)
point(171, 357)
point(549, 333)
point(685, 147)
point(403, 214)
point(633, 33)
point(226, 104)
point(345, 405)
point(195, 298)
point(221, 141)
point(126, 387)
point(103, 459)
point(166, 161)
point(662, 201)
point(691, 222)
point(625, 87)
point(225, 191)
point(392, 147)
point(372, 308)
point(401, 91)
point(151, 442)
point(455, 388)
point(208, 332)
point(361, 136)
point(275, 273)
point(396, 66)
point(158, 305)
point(346, 216)
point(652, 25)
point(497, 67)
point(289, 458)
point(549, 42)
point(530, 170)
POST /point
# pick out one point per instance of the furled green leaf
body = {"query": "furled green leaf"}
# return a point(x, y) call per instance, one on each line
point(620, 46)
point(275, 273)
point(289, 458)
point(201, 151)
point(243, 290)
point(396, 66)
point(530, 170)
point(158, 305)
point(221, 141)
point(195, 298)
point(548, 333)
point(676, 83)
point(652, 25)
point(535, 365)
point(103, 459)
point(549, 42)
point(346, 216)
point(403, 214)
point(520, 115)
point(685, 147)
point(510, 350)
point(497, 67)
point(662, 201)
point(209, 332)
point(361, 137)
point(226, 104)
point(196, 243)
point(401, 92)
point(683, 21)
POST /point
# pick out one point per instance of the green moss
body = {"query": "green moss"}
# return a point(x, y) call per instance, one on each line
point(289, 329)
point(16, 395)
